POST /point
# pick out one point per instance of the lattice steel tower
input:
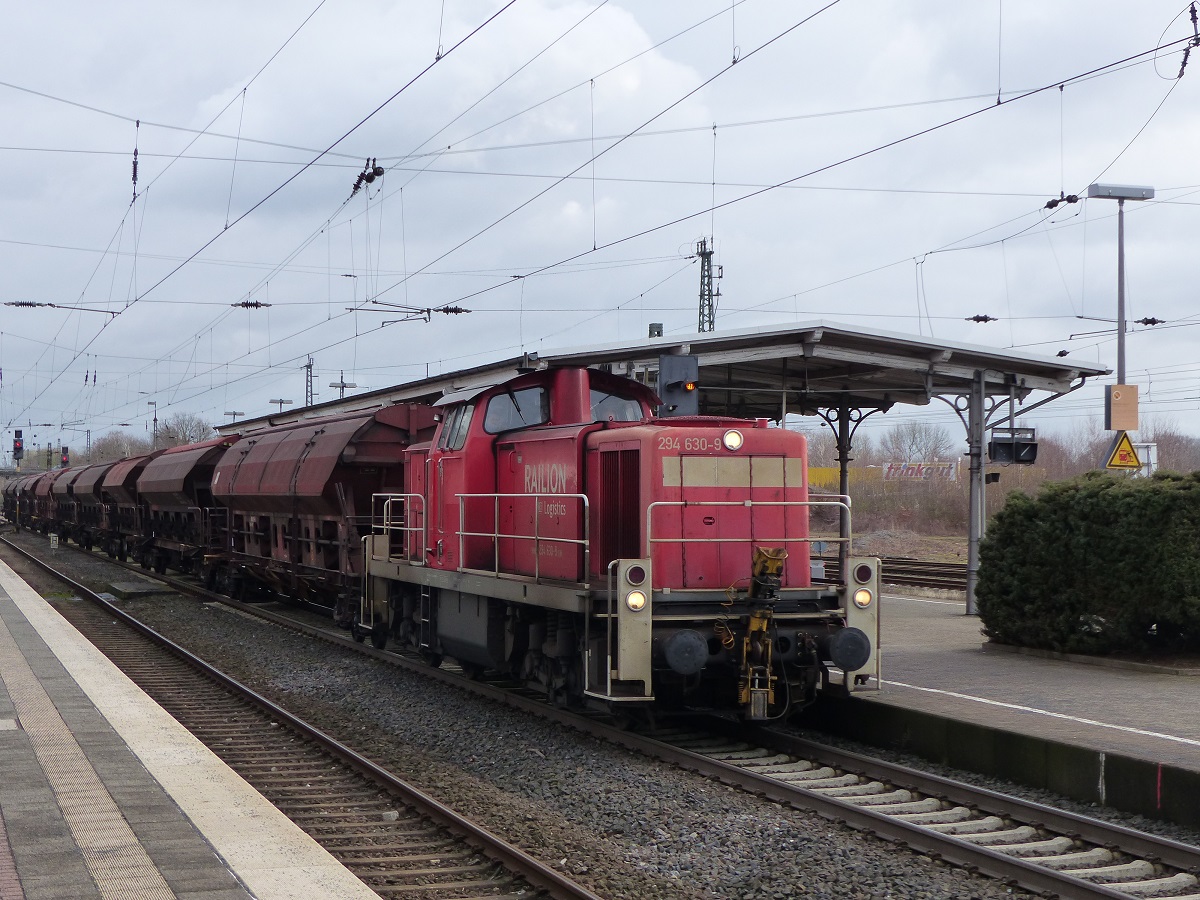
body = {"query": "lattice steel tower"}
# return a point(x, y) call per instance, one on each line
point(709, 292)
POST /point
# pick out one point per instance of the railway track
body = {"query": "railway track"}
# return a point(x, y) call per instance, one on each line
point(915, 573)
point(398, 840)
point(1036, 847)
point(1028, 844)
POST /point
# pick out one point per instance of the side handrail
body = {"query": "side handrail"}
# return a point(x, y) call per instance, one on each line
point(396, 516)
point(495, 535)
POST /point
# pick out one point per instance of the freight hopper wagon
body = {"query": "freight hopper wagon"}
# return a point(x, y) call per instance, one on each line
point(556, 531)
point(14, 510)
point(296, 500)
point(18, 500)
point(125, 511)
point(45, 507)
point(182, 528)
point(89, 506)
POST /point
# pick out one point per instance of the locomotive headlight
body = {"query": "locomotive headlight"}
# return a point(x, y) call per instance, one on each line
point(863, 598)
point(635, 600)
point(732, 440)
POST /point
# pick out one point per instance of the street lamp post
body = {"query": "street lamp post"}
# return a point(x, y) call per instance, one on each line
point(1120, 193)
point(341, 384)
point(154, 432)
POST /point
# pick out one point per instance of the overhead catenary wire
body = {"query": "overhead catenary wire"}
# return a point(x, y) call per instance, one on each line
point(672, 105)
point(288, 181)
point(1090, 73)
point(135, 194)
point(405, 268)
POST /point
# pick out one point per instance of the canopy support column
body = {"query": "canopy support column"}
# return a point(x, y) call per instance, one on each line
point(976, 513)
point(844, 420)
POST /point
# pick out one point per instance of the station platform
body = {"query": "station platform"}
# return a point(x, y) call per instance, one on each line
point(104, 795)
point(934, 660)
point(1101, 734)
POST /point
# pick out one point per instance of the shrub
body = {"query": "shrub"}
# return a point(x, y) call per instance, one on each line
point(1097, 564)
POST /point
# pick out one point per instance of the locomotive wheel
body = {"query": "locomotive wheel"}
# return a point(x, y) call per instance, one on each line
point(627, 718)
point(122, 552)
point(569, 695)
point(379, 636)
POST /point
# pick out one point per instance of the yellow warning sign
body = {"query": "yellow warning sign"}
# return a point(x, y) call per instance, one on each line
point(1121, 454)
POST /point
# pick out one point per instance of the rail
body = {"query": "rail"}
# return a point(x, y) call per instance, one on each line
point(495, 535)
point(376, 873)
point(720, 756)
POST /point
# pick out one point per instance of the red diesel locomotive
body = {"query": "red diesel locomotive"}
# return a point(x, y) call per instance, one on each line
point(551, 528)
point(554, 528)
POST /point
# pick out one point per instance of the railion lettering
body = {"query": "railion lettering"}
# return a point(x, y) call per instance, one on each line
point(548, 478)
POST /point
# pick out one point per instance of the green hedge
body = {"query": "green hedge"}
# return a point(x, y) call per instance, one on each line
point(1098, 564)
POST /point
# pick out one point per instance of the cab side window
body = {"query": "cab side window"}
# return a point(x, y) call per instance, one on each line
point(517, 409)
point(454, 431)
point(608, 407)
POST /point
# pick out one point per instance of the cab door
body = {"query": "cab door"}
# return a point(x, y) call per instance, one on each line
point(447, 480)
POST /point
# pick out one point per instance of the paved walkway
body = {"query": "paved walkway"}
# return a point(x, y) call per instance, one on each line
point(104, 795)
point(934, 661)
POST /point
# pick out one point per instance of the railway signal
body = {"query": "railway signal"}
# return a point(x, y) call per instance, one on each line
point(1013, 445)
point(677, 380)
point(18, 446)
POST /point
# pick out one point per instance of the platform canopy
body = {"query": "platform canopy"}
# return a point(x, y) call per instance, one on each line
point(766, 372)
point(841, 373)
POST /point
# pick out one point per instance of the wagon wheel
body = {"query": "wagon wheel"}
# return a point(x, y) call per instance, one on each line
point(473, 671)
point(379, 635)
point(431, 659)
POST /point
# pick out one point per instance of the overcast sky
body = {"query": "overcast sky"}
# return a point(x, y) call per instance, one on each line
point(551, 166)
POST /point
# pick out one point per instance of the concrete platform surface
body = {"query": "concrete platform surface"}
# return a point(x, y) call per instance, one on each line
point(104, 795)
point(934, 661)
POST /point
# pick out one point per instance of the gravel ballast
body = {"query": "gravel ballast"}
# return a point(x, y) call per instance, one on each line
point(624, 825)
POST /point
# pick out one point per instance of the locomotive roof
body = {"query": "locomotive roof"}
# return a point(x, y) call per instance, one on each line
point(820, 364)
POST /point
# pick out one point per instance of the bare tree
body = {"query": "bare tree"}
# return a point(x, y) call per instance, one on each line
point(117, 445)
point(1177, 452)
point(183, 428)
point(822, 444)
point(917, 442)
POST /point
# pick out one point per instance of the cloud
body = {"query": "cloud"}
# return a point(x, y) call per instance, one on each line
point(471, 145)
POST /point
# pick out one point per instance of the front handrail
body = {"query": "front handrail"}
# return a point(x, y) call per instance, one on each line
point(843, 505)
point(496, 535)
point(610, 617)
